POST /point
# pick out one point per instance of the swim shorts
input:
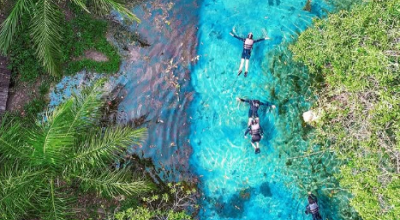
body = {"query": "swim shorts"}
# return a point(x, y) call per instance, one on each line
point(255, 138)
point(246, 54)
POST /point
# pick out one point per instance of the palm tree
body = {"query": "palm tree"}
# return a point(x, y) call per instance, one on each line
point(45, 25)
point(66, 149)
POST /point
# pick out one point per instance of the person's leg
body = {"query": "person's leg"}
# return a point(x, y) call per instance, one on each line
point(257, 148)
point(316, 216)
point(247, 67)
point(241, 66)
point(254, 146)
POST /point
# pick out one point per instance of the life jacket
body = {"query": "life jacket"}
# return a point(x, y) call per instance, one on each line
point(313, 208)
point(248, 44)
point(255, 128)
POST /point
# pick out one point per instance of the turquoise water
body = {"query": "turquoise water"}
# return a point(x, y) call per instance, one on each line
point(202, 123)
point(235, 182)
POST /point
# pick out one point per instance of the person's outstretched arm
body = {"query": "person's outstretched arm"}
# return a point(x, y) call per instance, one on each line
point(261, 39)
point(235, 36)
point(243, 100)
point(267, 104)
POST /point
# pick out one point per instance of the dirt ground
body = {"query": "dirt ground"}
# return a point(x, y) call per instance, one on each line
point(21, 93)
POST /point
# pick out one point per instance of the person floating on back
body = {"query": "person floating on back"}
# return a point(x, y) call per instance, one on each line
point(254, 105)
point(256, 133)
point(247, 47)
point(312, 207)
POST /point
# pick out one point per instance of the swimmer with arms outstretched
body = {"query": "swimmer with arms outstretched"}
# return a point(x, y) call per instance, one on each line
point(254, 105)
point(248, 43)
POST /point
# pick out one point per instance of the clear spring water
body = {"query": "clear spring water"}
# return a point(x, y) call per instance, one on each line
point(235, 182)
point(202, 121)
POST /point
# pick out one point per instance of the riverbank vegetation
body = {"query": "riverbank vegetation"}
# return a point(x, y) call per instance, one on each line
point(44, 21)
point(43, 164)
point(355, 54)
point(73, 163)
point(81, 33)
point(310, 167)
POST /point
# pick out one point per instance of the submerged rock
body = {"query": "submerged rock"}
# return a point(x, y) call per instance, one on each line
point(307, 7)
point(265, 189)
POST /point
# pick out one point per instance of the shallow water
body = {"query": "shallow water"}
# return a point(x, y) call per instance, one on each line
point(236, 183)
point(185, 84)
point(158, 82)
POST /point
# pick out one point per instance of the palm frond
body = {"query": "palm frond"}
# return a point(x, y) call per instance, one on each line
point(10, 26)
point(50, 140)
point(17, 186)
point(46, 34)
point(105, 6)
point(12, 142)
point(101, 149)
point(87, 107)
point(81, 4)
point(53, 203)
point(52, 200)
point(115, 183)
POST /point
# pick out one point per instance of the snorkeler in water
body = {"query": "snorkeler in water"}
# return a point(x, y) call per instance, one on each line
point(247, 47)
point(312, 207)
point(254, 105)
point(256, 133)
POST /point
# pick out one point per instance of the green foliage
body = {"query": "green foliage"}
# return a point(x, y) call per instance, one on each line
point(85, 33)
point(67, 149)
point(142, 213)
point(34, 107)
point(139, 214)
point(343, 4)
point(45, 22)
point(310, 166)
point(46, 32)
point(79, 35)
point(23, 62)
point(356, 53)
point(169, 205)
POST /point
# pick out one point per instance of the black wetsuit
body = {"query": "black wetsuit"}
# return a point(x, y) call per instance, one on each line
point(254, 105)
point(255, 131)
point(312, 208)
point(247, 45)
